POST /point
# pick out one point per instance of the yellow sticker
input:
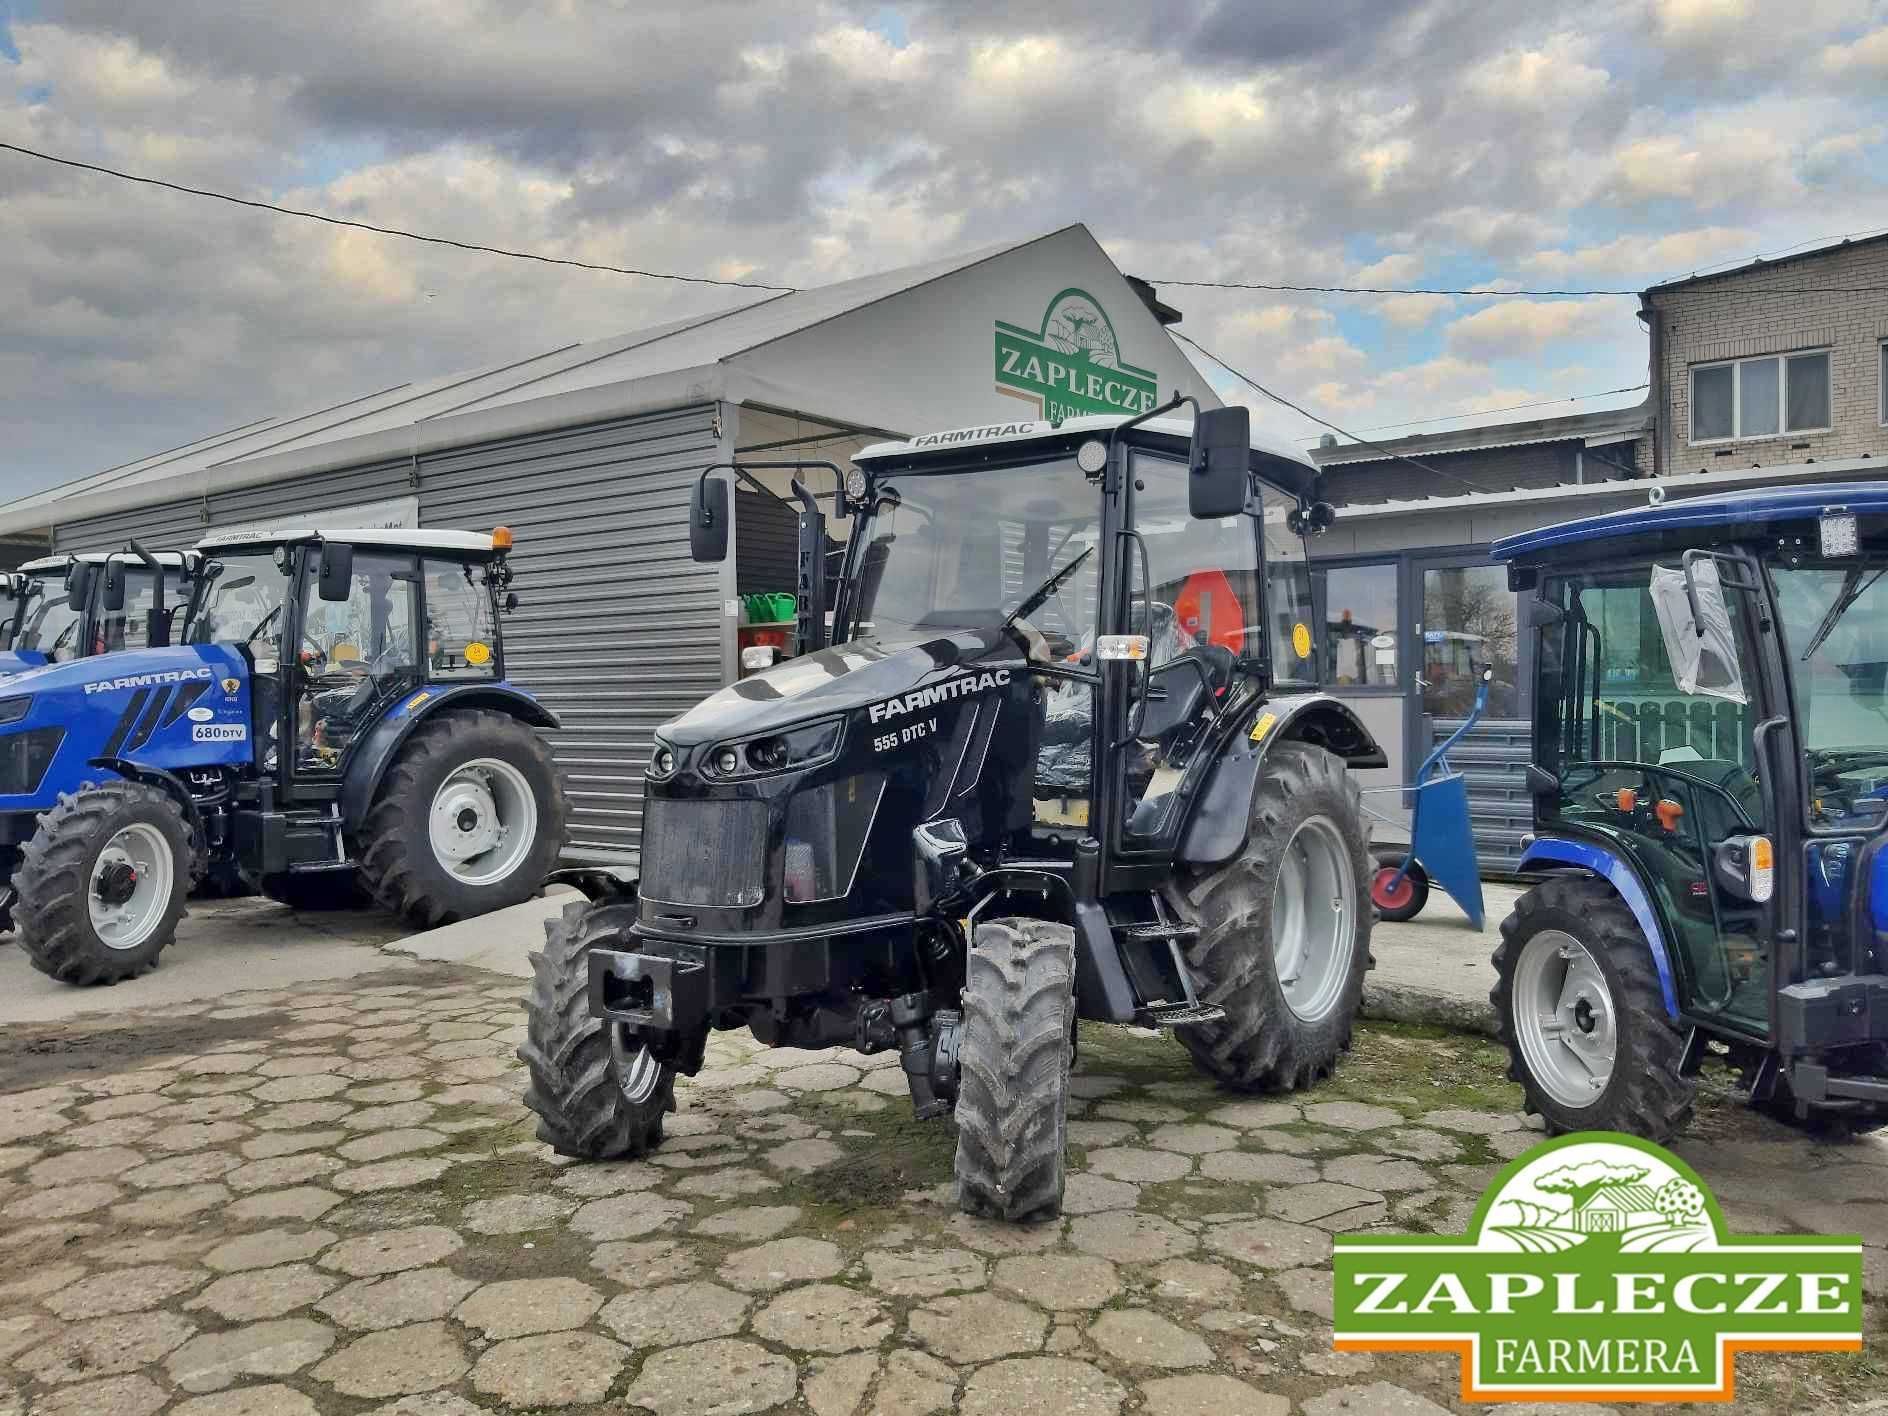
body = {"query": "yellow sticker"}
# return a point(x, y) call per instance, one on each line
point(478, 653)
point(416, 700)
point(1301, 640)
point(1263, 726)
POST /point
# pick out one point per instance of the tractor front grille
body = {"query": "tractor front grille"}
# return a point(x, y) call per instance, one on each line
point(704, 853)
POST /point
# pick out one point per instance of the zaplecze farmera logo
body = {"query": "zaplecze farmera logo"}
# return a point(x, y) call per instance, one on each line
point(1598, 1267)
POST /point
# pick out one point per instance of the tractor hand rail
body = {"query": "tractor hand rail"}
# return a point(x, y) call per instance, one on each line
point(1441, 752)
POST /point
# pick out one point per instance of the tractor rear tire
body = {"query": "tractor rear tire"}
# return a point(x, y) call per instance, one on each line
point(1646, 1093)
point(597, 1093)
point(402, 852)
point(60, 874)
point(1013, 1061)
point(1307, 814)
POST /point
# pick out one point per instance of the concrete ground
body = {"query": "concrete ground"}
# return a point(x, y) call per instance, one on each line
point(1434, 968)
point(325, 1197)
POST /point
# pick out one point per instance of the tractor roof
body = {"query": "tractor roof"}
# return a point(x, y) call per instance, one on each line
point(1273, 458)
point(1715, 517)
point(399, 537)
point(170, 560)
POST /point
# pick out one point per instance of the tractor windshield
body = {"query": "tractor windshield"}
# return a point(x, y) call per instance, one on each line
point(1835, 627)
point(965, 550)
point(47, 623)
point(240, 600)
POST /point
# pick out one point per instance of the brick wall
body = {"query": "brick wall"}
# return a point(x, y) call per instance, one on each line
point(1754, 312)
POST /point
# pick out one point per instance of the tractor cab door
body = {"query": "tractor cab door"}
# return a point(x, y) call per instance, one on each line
point(1218, 615)
point(1650, 731)
point(355, 656)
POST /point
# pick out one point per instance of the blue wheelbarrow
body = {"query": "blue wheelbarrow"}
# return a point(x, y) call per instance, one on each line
point(1441, 838)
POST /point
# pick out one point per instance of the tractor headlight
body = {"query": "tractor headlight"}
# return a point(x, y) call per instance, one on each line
point(777, 752)
point(662, 760)
point(14, 709)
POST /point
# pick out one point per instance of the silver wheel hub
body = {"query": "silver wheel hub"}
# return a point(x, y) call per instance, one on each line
point(483, 821)
point(637, 1071)
point(1314, 918)
point(130, 889)
point(1564, 1021)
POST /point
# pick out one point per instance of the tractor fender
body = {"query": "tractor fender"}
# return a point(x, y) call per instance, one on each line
point(602, 884)
point(1559, 854)
point(374, 753)
point(163, 780)
point(1220, 817)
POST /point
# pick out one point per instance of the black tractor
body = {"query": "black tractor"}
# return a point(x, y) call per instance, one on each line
point(1064, 759)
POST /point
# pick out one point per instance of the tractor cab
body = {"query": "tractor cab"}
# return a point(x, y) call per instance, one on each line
point(60, 608)
point(1710, 783)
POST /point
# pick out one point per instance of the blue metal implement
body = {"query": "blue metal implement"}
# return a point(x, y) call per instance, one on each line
point(1441, 836)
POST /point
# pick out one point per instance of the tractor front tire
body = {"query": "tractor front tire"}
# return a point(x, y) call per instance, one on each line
point(461, 766)
point(1013, 1070)
point(597, 1092)
point(1284, 929)
point(1566, 938)
point(102, 883)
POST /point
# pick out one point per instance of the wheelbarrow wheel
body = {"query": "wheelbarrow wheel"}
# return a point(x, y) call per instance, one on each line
point(1398, 900)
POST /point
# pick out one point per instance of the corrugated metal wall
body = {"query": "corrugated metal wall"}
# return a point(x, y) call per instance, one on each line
point(1494, 758)
point(766, 544)
point(617, 629)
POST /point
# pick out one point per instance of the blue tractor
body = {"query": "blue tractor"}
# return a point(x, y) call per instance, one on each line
point(338, 711)
point(60, 608)
point(1710, 784)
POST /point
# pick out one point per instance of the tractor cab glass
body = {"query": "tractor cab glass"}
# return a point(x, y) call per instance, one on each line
point(240, 599)
point(1648, 728)
point(48, 623)
point(355, 654)
point(461, 620)
point(128, 626)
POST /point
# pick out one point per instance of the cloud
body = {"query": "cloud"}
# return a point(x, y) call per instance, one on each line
point(1866, 57)
point(1552, 75)
point(1398, 268)
point(1413, 311)
point(1644, 257)
point(1512, 329)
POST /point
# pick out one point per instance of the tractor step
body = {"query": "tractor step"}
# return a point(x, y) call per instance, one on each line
point(1157, 933)
point(320, 867)
point(1179, 1015)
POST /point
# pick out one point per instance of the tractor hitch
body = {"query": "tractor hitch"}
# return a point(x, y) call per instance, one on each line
point(649, 992)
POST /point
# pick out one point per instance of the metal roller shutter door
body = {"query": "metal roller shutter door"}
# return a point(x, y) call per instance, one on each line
point(617, 630)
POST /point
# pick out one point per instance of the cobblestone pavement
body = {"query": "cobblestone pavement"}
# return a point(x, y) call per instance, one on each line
point(332, 1202)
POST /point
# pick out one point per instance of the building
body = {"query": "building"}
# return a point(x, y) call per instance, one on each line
point(1612, 1209)
point(589, 452)
point(1780, 364)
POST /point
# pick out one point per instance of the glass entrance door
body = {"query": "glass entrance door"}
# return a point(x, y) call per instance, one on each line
point(1362, 609)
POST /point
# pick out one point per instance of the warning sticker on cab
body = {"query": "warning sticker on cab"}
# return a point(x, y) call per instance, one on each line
point(1263, 726)
point(218, 732)
point(478, 652)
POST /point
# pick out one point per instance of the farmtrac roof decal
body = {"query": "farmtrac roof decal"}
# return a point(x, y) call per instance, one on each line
point(1072, 365)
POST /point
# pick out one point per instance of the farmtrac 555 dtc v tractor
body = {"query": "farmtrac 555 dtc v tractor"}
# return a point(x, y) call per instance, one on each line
point(71, 607)
point(1710, 782)
point(1066, 761)
point(339, 709)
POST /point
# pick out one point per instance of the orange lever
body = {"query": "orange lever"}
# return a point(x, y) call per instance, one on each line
point(1626, 799)
point(1668, 813)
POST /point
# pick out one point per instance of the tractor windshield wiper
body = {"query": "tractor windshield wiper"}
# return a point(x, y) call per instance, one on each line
point(1853, 588)
point(1048, 587)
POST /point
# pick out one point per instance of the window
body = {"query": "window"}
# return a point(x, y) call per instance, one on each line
point(1762, 398)
point(355, 655)
point(459, 632)
point(1360, 626)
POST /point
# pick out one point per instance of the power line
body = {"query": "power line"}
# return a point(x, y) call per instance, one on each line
point(1508, 408)
point(389, 230)
point(1326, 422)
point(1280, 287)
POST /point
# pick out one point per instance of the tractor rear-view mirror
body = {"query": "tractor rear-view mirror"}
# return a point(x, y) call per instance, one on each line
point(336, 575)
point(79, 584)
point(708, 520)
point(1217, 482)
point(114, 585)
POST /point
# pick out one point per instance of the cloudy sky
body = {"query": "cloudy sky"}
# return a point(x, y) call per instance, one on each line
point(1461, 143)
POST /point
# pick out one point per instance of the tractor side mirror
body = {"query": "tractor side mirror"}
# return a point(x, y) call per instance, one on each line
point(114, 585)
point(79, 584)
point(336, 576)
point(708, 520)
point(1217, 482)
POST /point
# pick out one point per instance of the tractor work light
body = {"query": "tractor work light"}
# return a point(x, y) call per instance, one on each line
point(1092, 456)
point(1837, 530)
point(855, 487)
point(1763, 869)
point(1121, 646)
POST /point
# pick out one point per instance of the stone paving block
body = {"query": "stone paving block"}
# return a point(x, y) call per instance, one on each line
point(1139, 1164)
point(1146, 1339)
point(1377, 1399)
point(267, 1247)
point(648, 1261)
point(1351, 1115)
point(724, 1377)
point(277, 1171)
point(103, 1163)
point(294, 1115)
point(384, 1145)
point(1209, 1396)
point(977, 1328)
point(421, 1357)
point(1086, 1193)
point(114, 1396)
point(1474, 1123)
point(627, 1216)
point(1191, 1281)
point(834, 1386)
point(670, 1314)
point(62, 1201)
point(1192, 1139)
point(753, 1223)
point(1320, 1200)
point(925, 1273)
point(804, 1156)
point(779, 1262)
point(1060, 1282)
point(1258, 1168)
point(125, 1290)
point(1041, 1386)
point(391, 1174)
point(1129, 1237)
point(296, 1202)
point(172, 1206)
point(1307, 1289)
point(823, 1317)
point(515, 1214)
point(211, 1361)
point(1269, 1243)
point(391, 1250)
point(264, 1293)
point(521, 1307)
point(414, 1296)
point(179, 1170)
point(269, 1399)
point(557, 1369)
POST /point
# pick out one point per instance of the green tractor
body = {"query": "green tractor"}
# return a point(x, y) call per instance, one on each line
point(1710, 784)
point(1060, 756)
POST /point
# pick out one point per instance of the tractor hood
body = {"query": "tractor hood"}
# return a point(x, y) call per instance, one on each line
point(120, 673)
point(886, 681)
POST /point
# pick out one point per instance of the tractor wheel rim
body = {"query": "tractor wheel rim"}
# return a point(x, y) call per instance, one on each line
point(1314, 928)
point(483, 822)
point(637, 1071)
point(1564, 1020)
point(1388, 896)
point(130, 889)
